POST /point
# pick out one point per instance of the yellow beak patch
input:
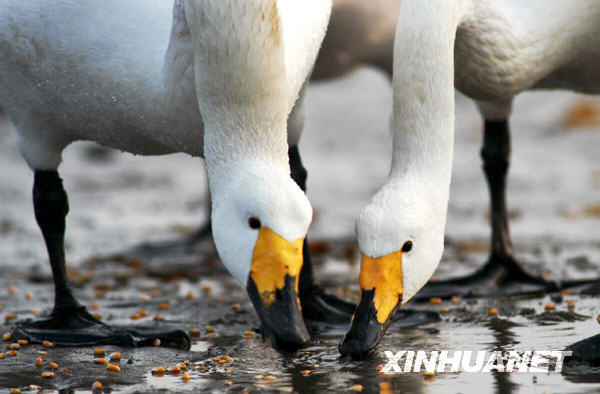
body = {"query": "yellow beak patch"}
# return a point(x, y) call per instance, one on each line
point(383, 274)
point(275, 257)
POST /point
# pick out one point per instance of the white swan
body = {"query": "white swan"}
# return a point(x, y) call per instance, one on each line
point(491, 51)
point(212, 78)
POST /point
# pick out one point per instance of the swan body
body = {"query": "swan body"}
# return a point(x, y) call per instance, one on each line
point(490, 50)
point(211, 78)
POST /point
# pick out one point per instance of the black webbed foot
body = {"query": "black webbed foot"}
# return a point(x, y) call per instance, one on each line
point(76, 327)
point(500, 276)
point(318, 307)
point(585, 351)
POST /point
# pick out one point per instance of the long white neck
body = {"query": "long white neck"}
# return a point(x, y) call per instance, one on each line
point(243, 99)
point(423, 113)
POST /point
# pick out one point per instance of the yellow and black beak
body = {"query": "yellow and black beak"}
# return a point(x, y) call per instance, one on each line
point(380, 297)
point(273, 289)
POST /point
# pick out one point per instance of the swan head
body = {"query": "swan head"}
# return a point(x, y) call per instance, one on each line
point(401, 237)
point(259, 220)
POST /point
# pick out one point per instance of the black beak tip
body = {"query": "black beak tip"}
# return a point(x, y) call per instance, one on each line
point(282, 319)
point(355, 349)
point(289, 342)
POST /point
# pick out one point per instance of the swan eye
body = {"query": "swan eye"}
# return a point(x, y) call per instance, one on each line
point(254, 223)
point(407, 246)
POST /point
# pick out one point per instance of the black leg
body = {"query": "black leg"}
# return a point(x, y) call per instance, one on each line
point(502, 274)
point(320, 307)
point(70, 323)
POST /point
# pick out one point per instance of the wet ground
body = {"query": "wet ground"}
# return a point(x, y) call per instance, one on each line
point(118, 201)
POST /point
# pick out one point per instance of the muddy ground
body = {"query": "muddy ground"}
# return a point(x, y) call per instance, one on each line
point(118, 201)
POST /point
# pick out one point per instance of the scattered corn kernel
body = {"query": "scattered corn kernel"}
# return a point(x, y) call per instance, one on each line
point(23, 342)
point(97, 385)
point(442, 311)
point(158, 318)
point(201, 368)
point(186, 376)
point(10, 316)
point(12, 353)
point(115, 356)
point(135, 316)
point(145, 298)
point(174, 369)
point(190, 295)
point(209, 329)
point(492, 311)
point(258, 376)
point(228, 383)
point(14, 346)
point(29, 295)
point(207, 289)
point(98, 315)
point(163, 306)
point(248, 334)
point(565, 292)
point(434, 300)
point(455, 299)
point(429, 373)
point(158, 370)
point(236, 307)
point(7, 336)
point(270, 377)
point(186, 361)
point(42, 352)
point(53, 365)
point(48, 375)
point(12, 289)
point(1, 356)
point(38, 361)
point(305, 372)
point(99, 293)
point(183, 367)
point(35, 312)
point(99, 351)
point(549, 307)
point(194, 332)
point(100, 361)
point(143, 313)
point(15, 391)
point(356, 387)
point(113, 367)
point(47, 344)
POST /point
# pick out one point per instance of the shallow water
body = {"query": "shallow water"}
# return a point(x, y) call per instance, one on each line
point(118, 200)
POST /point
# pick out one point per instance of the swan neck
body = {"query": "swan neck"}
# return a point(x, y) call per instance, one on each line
point(423, 82)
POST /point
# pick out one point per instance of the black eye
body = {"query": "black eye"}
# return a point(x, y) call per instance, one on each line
point(407, 246)
point(254, 223)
